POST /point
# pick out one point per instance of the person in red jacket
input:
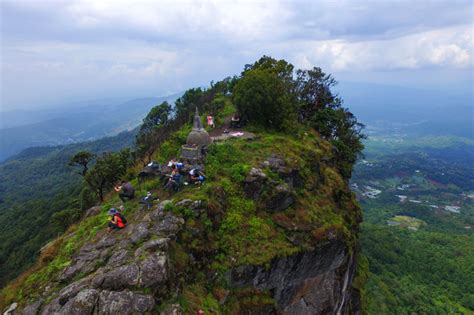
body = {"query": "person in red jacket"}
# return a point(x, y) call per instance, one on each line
point(117, 220)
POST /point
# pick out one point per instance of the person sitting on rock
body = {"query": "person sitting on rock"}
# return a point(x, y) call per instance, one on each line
point(196, 176)
point(125, 190)
point(235, 121)
point(173, 179)
point(117, 220)
point(148, 200)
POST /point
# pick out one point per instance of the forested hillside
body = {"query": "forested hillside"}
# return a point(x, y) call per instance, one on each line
point(40, 197)
point(274, 205)
point(418, 200)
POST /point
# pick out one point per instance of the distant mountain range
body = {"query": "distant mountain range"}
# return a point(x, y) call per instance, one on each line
point(404, 109)
point(83, 121)
point(410, 110)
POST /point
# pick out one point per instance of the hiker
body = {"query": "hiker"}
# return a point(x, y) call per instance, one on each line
point(235, 122)
point(210, 121)
point(117, 220)
point(125, 190)
point(179, 165)
point(172, 162)
point(148, 200)
point(173, 179)
point(196, 176)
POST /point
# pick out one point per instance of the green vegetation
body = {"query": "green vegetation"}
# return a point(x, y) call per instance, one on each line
point(233, 229)
point(268, 95)
point(40, 197)
point(428, 271)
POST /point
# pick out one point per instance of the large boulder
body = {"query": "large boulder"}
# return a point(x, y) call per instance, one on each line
point(83, 303)
point(118, 278)
point(160, 244)
point(154, 271)
point(88, 258)
point(124, 303)
point(11, 309)
point(167, 224)
point(254, 183)
point(281, 197)
point(32, 309)
point(139, 233)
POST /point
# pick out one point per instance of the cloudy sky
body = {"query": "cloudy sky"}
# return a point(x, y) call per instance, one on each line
point(56, 52)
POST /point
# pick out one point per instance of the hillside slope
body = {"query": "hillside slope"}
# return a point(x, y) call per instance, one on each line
point(274, 229)
point(34, 186)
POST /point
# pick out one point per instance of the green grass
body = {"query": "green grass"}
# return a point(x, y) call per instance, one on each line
point(233, 230)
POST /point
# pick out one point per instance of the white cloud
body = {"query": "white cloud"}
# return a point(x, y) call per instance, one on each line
point(71, 47)
point(450, 47)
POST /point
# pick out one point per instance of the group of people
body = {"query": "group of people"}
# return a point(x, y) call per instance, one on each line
point(173, 180)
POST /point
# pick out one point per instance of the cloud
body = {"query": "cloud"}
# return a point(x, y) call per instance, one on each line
point(450, 47)
point(88, 48)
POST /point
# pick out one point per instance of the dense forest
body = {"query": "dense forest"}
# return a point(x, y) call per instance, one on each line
point(40, 196)
point(417, 230)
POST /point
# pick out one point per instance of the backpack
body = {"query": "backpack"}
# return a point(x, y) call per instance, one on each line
point(124, 221)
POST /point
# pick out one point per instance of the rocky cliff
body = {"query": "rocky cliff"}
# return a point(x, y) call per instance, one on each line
point(272, 231)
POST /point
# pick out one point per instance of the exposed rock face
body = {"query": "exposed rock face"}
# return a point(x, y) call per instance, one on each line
point(131, 271)
point(280, 199)
point(313, 282)
point(115, 274)
point(254, 182)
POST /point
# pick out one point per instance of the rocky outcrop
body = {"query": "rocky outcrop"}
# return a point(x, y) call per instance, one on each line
point(115, 271)
point(314, 282)
point(139, 270)
point(273, 195)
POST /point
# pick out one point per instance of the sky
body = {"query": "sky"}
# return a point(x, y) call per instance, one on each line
point(60, 52)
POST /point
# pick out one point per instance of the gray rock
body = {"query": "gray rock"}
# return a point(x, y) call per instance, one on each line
point(93, 211)
point(124, 303)
point(188, 203)
point(118, 278)
point(72, 290)
point(83, 303)
point(154, 271)
point(153, 246)
point(106, 241)
point(168, 225)
point(281, 197)
point(139, 233)
point(118, 258)
point(74, 269)
point(11, 309)
point(173, 309)
point(275, 162)
point(305, 283)
point(52, 307)
point(254, 182)
point(32, 309)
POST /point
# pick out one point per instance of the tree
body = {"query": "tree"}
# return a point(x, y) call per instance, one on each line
point(82, 158)
point(107, 171)
point(265, 94)
point(313, 88)
point(155, 127)
point(156, 118)
point(185, 105)
point(323, 111)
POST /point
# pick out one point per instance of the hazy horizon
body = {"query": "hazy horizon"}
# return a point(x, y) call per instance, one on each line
point(55, 53)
